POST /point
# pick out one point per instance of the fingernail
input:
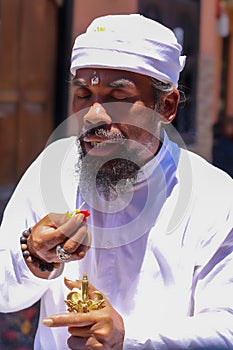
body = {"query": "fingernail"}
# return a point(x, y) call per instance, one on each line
point(81, 255)
point(47, 322)
point(69, 283)
point(67, 279)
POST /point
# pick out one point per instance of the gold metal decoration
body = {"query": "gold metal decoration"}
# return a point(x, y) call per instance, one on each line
point(78, 300)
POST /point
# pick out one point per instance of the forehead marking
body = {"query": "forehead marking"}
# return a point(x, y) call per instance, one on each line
point(95, 80)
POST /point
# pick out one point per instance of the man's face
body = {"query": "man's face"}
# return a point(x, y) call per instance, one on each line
point(114, 106)
point(118, 123)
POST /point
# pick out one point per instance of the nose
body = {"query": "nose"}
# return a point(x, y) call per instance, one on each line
point(96, 114)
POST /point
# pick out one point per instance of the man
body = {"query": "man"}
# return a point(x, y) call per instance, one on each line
point(157, 245)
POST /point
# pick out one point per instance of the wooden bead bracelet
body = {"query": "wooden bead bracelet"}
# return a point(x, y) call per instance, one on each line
point(43, 266)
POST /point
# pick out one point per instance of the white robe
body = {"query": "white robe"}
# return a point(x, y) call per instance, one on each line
point(164, 259)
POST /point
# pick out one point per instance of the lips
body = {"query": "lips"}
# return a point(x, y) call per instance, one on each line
point(97, 144)
point(101, 146)
point(101, 142)
point(94, 140)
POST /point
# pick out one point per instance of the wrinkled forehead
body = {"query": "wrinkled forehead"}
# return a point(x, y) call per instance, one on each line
point(85, 77)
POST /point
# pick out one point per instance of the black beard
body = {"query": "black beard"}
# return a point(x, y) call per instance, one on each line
point(104, 174)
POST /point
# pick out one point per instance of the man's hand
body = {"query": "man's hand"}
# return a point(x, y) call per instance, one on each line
point(59, 229)
point(97, 329)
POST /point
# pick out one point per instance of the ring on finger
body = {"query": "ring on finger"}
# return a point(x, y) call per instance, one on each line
point(62, 254)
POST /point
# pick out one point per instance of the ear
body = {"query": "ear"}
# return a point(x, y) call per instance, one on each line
point(168, 106)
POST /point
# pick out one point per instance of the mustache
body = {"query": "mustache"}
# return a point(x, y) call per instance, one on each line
point(103, 131)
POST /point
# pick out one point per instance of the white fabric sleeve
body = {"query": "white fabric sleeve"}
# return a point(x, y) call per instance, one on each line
point(210, 326)
point(40, 191)
point(19, 287)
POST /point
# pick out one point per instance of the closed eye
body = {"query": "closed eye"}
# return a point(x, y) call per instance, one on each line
point(121, 95)
point(82, 97)
point(82, 93)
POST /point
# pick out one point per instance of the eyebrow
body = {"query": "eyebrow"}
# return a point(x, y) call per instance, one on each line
point(119, 83)
point(78, 82)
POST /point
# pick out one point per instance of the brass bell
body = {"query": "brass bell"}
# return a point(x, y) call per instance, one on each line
point(78, 300)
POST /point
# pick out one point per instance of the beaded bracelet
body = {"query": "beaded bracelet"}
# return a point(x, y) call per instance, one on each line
point(43, 266)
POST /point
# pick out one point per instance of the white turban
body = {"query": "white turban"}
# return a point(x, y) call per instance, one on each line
point(132, 43)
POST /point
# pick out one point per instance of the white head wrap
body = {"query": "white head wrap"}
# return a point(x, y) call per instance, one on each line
point(132, 43)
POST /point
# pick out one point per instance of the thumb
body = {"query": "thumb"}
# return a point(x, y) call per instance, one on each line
point(72, 284)
point(78, 284)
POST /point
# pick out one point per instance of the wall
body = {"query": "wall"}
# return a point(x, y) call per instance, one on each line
point(85, 12)
point(208, 78)
point(229, 102)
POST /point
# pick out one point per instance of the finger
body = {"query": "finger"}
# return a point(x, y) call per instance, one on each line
point(45, 229)
point(82, 332)
point(72, 244)
point(55, 236)
point(93, 343)
point(87, 239)
point(77, 255)
point(69, 319)
point(80, 252)
point(75, 343)
point(78, 343)
point(55, 219)
point(49, 226)
point(70, 227)
point(72, 284)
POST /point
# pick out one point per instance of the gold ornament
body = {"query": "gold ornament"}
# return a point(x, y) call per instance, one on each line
point(78, 301)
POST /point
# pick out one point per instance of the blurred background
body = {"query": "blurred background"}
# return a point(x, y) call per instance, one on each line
point(36, 38)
